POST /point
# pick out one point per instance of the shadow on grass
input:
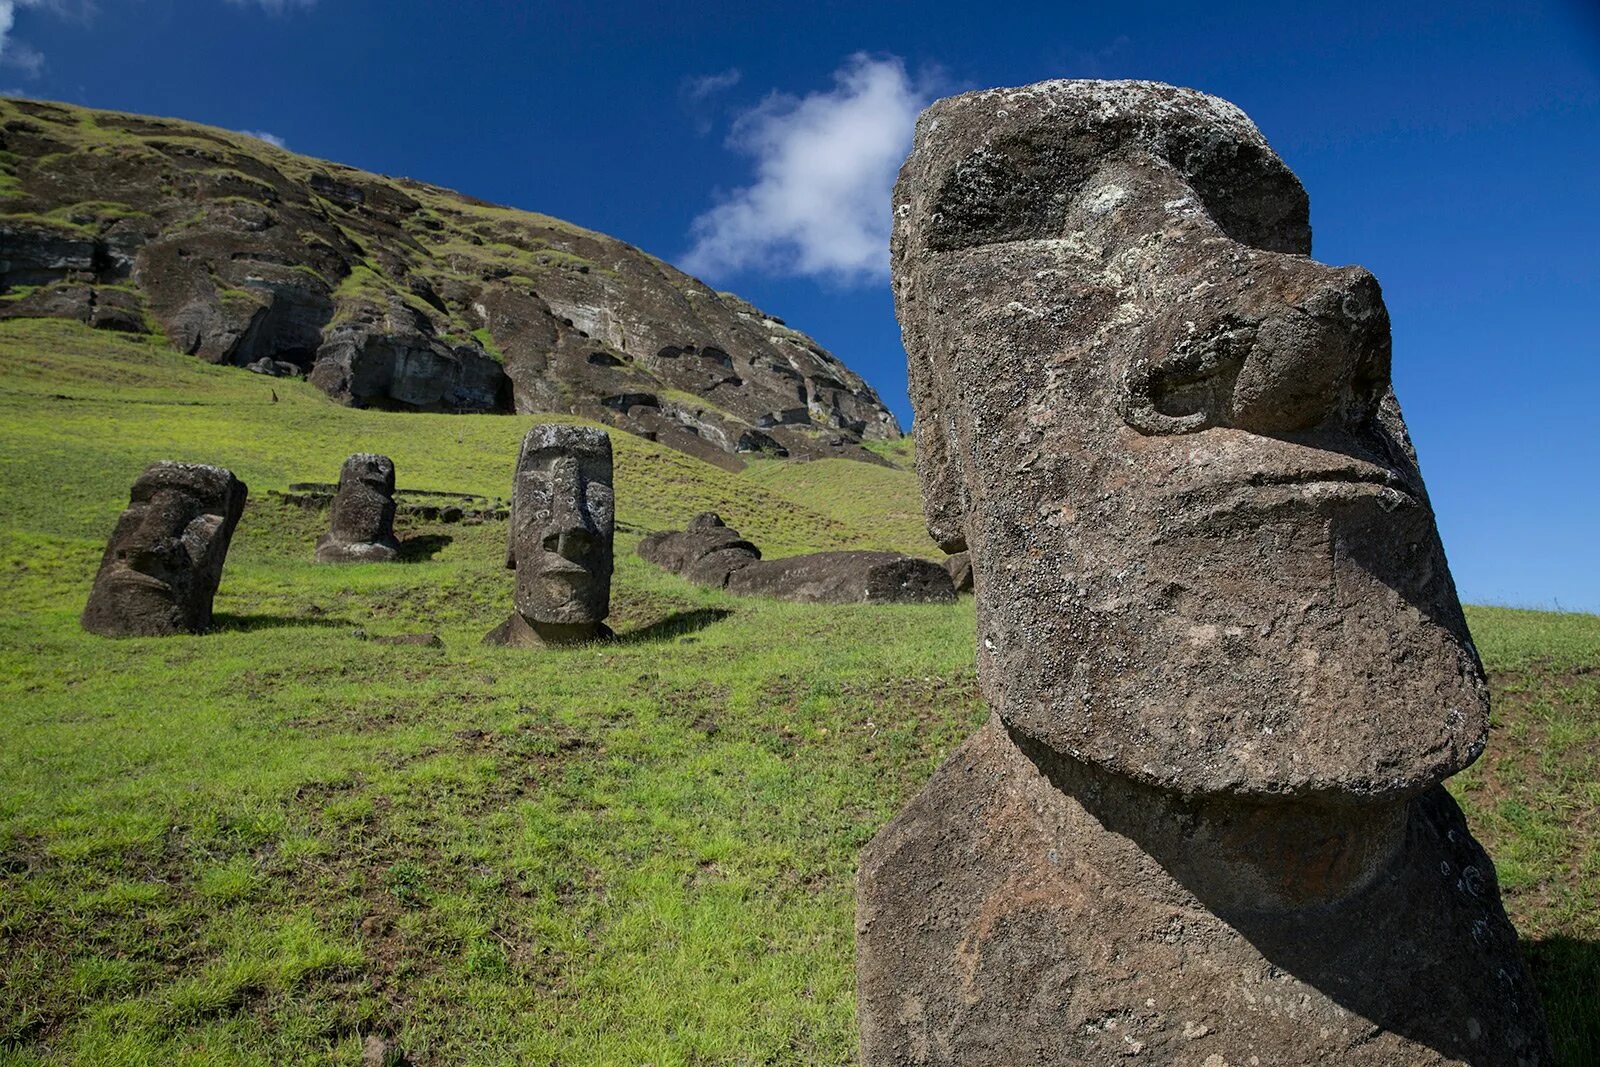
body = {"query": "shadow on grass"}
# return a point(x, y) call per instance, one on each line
point(226, 622)
point(677, 624)
point(1567, 972)
point(420, 547)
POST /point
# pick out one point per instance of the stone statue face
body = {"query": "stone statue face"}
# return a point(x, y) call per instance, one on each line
point(1204, 555)
point(373, 471)
point(165, 557)
point(562, 520)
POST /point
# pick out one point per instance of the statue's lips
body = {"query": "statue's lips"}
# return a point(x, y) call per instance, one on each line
point(560, 567)
point(130, 577)
point(1351, 484)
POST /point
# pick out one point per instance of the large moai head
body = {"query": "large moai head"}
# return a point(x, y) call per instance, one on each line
point(164, 561)
point(1203, 553)
point(563, 515)
point(362, 524)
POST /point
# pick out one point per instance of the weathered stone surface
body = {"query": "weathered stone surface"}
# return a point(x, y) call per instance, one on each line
point(1008, 918)
point(103, 307)
point(362, 527)
point(711, 553)
point(1215, 623)
point(706, 553)
point(846, 578)
point(164, 561)
point(959, 567)
point(563, 519)
point(391, 293)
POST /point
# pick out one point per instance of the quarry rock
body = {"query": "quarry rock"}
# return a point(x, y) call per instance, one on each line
point(563, 519)
point(164, 561)
point(1226, 662)
point(711, 553)
point(395, 294)
point(361, 529)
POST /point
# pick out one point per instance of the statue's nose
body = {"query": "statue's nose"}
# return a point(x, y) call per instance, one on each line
point(569, 533)
point(1322, 360)
point(1319, 360)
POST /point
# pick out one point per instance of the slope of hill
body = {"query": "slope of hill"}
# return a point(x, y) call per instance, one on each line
point(284, 842)
point(393, 293)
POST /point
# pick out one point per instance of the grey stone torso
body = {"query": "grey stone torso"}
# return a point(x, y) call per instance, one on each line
point(1004, 921)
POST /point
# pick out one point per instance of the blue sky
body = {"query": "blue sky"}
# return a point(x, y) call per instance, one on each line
point(1453, 148)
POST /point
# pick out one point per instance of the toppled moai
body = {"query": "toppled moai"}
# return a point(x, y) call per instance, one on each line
point(362, 527)
point(1225, 659)
point(163, 563)
point(563, 518)
point(711, 553)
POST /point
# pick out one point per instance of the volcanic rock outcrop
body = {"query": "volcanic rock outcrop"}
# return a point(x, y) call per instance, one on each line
point(164, 561)
point(362, 527)
point(393, 293)
point(563, 519)
point(1226, 662)
point(711, 553)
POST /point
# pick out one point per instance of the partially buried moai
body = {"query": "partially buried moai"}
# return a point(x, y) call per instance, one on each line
point(362, 527)
point(163, 563)
point(562, 521)
point(1225, 659)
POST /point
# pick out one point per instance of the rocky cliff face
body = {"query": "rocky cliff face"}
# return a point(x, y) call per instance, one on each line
point(389, 292)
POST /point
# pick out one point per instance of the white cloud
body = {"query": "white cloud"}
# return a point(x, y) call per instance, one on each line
point(262, 135)
point(825, 164)
point(705, 85)
point(13, 53)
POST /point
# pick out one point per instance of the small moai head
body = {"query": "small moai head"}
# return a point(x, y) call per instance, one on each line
point(563, 515)
point(1203, 553)
point(363, 510)
point(164, 561)
point(371, 470)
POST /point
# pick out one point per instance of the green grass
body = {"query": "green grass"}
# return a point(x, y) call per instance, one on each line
point(265, 844)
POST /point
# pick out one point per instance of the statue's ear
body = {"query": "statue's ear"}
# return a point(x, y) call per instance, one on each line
point(944, 490)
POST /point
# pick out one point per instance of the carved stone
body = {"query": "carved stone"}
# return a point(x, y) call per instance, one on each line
point(711, 553)
point(362, 527)
point(563, 517)
point(1215, 624)
point(162, 565)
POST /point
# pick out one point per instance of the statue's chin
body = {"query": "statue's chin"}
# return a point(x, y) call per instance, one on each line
point(1275, 684)
point(560, 601)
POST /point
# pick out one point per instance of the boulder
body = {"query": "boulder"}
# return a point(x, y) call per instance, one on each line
point(164, 561)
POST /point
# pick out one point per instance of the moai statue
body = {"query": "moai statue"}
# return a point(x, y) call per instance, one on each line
point(362, 527)
point(1224, 655)
point(562, 521)
point(161, 568)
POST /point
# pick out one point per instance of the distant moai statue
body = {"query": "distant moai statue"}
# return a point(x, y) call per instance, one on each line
point(563, 517)
point(164, 561)
point(361, 529)
point(1225, 659)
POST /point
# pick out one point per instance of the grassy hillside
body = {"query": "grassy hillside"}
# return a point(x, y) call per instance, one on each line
point(266, 844)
